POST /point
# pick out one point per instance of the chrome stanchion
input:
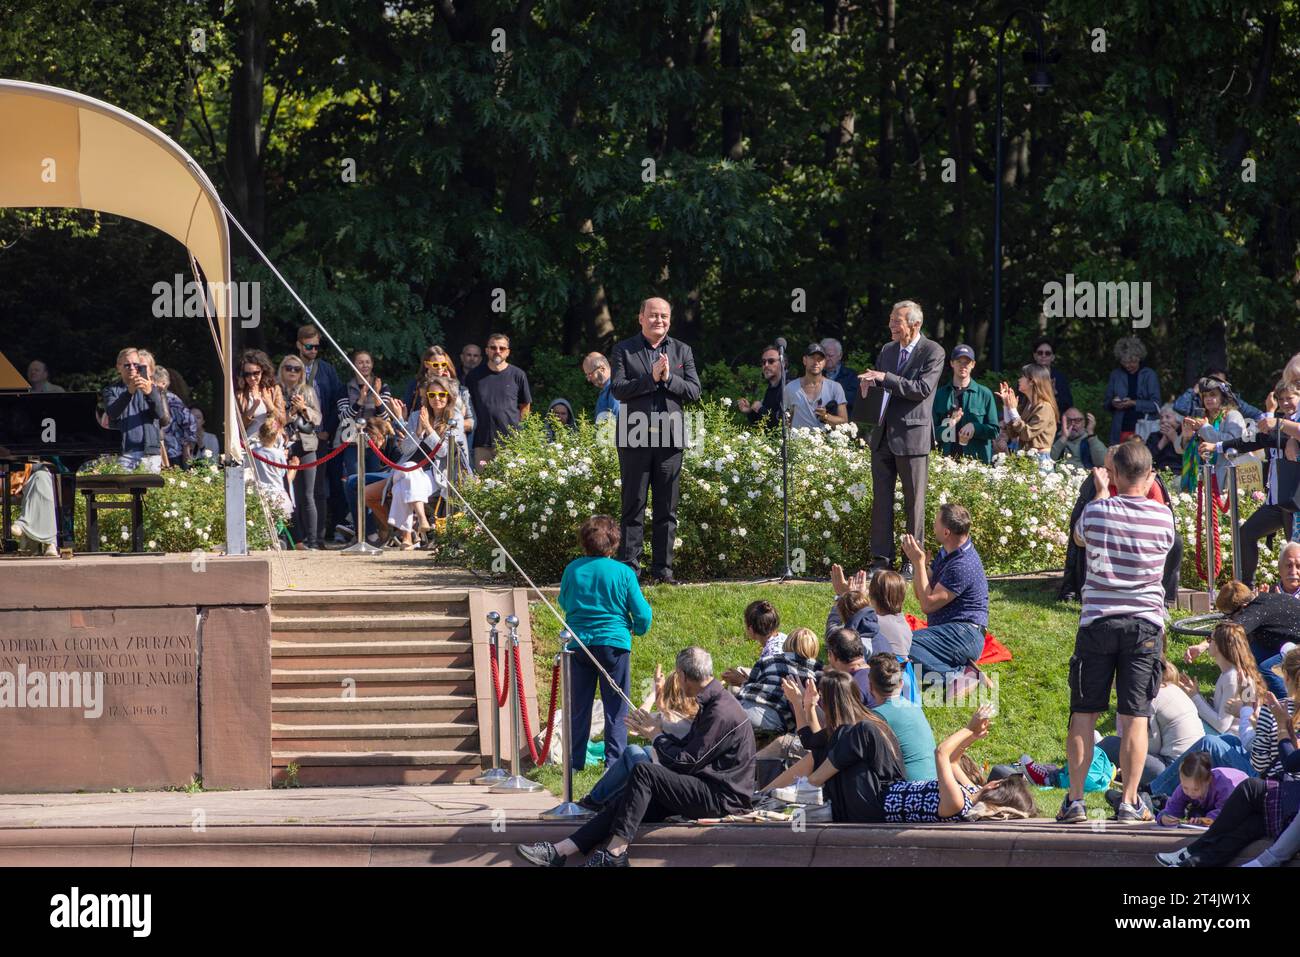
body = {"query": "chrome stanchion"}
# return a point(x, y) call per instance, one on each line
point(1211, 528)
point(361, 546)
point(495, 774)
point(1232, 515)
point(566, 808)
point(516, 782)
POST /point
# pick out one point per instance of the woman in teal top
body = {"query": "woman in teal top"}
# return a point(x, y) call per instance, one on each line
point(604, 607)
point(905, 719)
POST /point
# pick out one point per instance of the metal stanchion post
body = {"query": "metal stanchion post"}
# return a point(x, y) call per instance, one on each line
point(496, 774)
point(361, 546)
point(516, 781)
point(1232, 516)
point(566, 808)
point(1211, 527)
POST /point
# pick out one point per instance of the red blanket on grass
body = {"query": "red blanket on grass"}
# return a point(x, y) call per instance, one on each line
point(994, 650)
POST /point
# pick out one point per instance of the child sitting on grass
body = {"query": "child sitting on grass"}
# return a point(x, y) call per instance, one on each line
point(1201, 793)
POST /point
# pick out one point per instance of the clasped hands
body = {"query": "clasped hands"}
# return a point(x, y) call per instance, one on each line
point(659, 371)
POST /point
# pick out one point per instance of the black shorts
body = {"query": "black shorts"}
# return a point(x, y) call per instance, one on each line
point(1122, 649)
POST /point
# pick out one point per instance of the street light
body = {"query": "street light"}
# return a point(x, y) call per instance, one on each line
point(1040, 81)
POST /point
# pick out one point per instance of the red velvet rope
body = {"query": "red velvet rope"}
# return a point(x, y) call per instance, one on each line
point(1215, 508)
point(293, 468)
point(393, 465)
point(499, 688)
point(539, 758)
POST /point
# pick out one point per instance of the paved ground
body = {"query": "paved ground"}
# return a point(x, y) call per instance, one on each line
point(340, 571)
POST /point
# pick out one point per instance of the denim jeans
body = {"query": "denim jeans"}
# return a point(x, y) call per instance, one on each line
point(129, 460)
point(947, 648)
point(1225, 751)
point(763, 717)
point(612, 782)
point(1273, 681)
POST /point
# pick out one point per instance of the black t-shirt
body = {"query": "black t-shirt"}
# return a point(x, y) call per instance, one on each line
point(866, 764)
point(1269, 620)
point(497, 397)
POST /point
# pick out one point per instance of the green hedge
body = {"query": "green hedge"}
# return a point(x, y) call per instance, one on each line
point(536, 493)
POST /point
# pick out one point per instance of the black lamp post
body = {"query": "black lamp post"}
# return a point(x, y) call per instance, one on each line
point(1040, 80)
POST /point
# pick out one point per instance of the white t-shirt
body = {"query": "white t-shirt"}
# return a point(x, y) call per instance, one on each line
point(797, 401)
point(1175, 724)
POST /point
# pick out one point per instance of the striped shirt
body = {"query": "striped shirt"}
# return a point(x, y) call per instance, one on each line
point(1264, 755)
point(1127, 538)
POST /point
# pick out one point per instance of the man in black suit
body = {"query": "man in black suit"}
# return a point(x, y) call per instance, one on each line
point(651, 376)
point(899, 395)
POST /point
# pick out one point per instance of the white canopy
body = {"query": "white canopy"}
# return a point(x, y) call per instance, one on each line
point(63, 149)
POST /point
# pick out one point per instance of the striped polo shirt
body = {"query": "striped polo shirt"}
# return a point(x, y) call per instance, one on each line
point(1127, 540)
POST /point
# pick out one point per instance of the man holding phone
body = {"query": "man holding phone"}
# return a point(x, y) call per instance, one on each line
point(139, 411)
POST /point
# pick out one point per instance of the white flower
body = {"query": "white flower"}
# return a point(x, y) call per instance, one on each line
point(677, 543)
point(826, 534)
point(727, 402)
point(722, 556)
point(151, 545)
point(184, 484)
point(704, 526)
point(1002, 539)
point(722, 501)
point(741, 532)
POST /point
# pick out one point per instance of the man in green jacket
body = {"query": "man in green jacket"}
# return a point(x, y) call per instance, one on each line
point(965, 417)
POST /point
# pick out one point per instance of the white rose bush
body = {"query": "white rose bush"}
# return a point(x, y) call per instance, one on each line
point(536, 493)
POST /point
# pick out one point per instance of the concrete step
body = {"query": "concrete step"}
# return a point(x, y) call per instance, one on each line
point(385, 655)
point(414, 759)
point(366, 623)
point(329, 739)
point(360, 682)
point(373, 710)
point(310, 604)
point(331, 776)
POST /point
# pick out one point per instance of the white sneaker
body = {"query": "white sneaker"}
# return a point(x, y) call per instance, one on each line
point(1179, 858)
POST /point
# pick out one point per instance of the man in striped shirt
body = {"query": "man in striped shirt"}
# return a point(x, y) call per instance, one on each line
point(1121, 630)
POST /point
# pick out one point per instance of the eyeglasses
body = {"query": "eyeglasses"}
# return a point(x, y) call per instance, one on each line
point(252, 373)
point(309, 346)
point(293, 368)
point(437, 364)
point(1042, 352)
point(771, 362)
point(438, 394)
point(1072, 421)
point(498, 349)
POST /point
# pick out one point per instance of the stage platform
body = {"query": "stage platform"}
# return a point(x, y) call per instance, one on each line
point(464, 825)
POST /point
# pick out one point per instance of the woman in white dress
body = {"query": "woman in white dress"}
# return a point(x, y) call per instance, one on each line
point(435, 421)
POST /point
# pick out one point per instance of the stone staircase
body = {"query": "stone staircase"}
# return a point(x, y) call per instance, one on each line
point(372, 688)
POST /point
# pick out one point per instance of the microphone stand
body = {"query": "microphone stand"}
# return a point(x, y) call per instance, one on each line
point(786, 572)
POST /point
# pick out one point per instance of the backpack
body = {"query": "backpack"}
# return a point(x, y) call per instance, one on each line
point(1100, 776)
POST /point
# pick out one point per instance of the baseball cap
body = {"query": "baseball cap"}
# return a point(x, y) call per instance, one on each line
point(962, 352)
point(815, 348)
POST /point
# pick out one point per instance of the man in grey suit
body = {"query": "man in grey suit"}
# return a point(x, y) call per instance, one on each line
point(899, 395)
point(652, 376)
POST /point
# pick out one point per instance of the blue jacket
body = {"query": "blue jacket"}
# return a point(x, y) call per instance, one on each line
point(602, 602)
point(605, 402)
point(139, 416)
point(329, 389)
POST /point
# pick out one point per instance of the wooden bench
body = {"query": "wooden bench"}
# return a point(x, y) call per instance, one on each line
point(135, 485)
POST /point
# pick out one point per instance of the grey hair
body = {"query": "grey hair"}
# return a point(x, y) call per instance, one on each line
point(913, 310)
point(595, 360)
point(1130, 347)
point(161, 377)
point(827, 343)
point(695, 663)
point(1286, 548)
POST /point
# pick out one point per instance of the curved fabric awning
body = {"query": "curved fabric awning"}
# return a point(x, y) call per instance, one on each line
point(63, 149)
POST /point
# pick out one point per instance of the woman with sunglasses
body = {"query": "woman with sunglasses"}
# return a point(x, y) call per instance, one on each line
point(304, 415)
point(432, 428)
point(436, 362)
point(257, 395)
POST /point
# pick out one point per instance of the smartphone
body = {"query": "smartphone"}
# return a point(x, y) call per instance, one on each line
point(141, 370)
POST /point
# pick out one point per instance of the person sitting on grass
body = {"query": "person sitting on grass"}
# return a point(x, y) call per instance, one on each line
point(852, 607)
point(763, 626)
point(887, 592)
point(954, 596)
point(1271, 621)
point(906, 719)
point(1257, 807)
point(761, 695)
point(844, 652)
point(668, 698)
point(1201, 793)
point(852, 754)
point(706, 774)
point(1240, 685)
point(952, 796)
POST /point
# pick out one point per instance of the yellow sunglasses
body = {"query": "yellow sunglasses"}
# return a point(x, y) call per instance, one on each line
point(438, 394)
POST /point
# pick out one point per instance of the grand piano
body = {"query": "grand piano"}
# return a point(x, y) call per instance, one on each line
point(61, 429)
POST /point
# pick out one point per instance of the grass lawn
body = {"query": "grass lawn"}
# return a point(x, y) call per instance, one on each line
point(1032, 693)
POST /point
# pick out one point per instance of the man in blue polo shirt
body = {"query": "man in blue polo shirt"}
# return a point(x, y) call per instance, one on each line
point(954, 597)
